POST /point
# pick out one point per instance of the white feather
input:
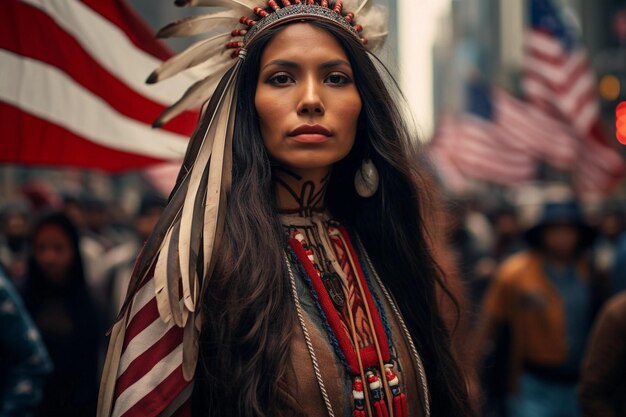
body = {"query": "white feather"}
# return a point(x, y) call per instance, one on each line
point(160, 280)
point(359, 9)
point(204, 153)
point(210, 52)
point(240, 4)
point(350, 5)
point(190, 349)
point(375, 23)
point(196, 25)
point(220, 169)
point(199, 93)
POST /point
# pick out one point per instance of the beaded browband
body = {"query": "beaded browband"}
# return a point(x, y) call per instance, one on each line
point(234, 29)
point(300, 11)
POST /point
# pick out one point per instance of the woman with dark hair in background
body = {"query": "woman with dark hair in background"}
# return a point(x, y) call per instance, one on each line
point(293, 251)
point(56, 295)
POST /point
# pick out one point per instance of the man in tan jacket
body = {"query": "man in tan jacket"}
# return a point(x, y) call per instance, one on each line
point(542, 300)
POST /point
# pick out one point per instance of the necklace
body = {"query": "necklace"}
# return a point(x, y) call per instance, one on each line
point(307, 339)
point(407, 335)
point(371, 364)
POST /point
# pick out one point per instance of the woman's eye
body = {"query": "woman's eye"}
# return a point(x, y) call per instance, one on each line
point(338, 79)
point(280, 79)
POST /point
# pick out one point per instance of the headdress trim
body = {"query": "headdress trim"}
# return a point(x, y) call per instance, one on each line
point(298, 12)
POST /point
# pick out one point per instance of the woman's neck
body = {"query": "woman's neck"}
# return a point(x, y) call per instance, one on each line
point(300, 191)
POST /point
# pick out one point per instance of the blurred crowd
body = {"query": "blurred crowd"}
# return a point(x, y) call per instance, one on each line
point(545, 303)
point(64, 269)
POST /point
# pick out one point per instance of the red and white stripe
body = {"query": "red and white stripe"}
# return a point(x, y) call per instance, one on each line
point(562, 83)
point(540, 135)
point(72, 90)
point(450, 175)
point(481, 150)
point(150, 379)
point(599, 169)
point(559, 80)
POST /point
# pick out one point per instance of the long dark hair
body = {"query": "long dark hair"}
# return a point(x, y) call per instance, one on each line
point(245, 341)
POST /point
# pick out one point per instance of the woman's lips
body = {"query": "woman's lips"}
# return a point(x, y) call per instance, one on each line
point(310, 134)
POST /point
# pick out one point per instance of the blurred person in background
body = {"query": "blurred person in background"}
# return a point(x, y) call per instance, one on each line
point(478, 224)
point(537, 314)
point(73, 207)
point(14, 234)
point(56, 295)
point(88, 215)
point(24, 360)
point(472, 263)
point(118, 262)
point(602, 390)
point(95, 242)
point(618, 272)
point(507, 240)
point(507, 231)
point(610, 228)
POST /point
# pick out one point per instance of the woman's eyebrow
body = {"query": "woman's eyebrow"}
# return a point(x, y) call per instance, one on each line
point(282, 63)
point(292, 64)
point(334, 63)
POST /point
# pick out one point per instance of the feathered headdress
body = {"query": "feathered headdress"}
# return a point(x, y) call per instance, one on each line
point(177, 259)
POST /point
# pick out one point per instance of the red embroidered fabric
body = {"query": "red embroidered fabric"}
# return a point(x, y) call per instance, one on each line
point(338, 320)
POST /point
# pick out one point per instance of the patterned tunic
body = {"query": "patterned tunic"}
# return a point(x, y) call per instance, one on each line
point(320, 235)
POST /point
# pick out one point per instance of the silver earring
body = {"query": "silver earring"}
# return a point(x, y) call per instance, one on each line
point(366, 179)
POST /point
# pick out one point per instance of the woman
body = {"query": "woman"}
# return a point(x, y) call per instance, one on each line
point(58, 300)
point(321, 177)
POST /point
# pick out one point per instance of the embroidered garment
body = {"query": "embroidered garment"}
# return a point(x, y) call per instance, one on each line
point(342, 304)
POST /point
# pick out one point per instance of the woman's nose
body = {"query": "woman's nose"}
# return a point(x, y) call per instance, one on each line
point(311, 102)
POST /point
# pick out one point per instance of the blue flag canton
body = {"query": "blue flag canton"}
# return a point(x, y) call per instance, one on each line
point(546, 17)
point(478, 100)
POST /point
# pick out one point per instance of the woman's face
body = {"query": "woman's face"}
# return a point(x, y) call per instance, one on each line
point(53, 252)
point(306, 99)
point(561, 240)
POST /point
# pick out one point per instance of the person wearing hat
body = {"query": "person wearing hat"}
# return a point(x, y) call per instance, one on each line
point(540, 309)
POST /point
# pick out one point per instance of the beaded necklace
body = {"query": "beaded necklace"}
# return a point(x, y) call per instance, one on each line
point(376, 390)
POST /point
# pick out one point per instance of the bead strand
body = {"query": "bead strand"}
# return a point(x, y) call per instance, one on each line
point(307, 339)
point(405, 330)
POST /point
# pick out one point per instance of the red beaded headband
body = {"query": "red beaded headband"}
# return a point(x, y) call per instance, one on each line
point(275, 15)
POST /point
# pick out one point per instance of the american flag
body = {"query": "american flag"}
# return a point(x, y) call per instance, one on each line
point(496, 139)
point(72, 89)
point(145, 377)
point(469, 147)
point(557, 77)
point(72, 93)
